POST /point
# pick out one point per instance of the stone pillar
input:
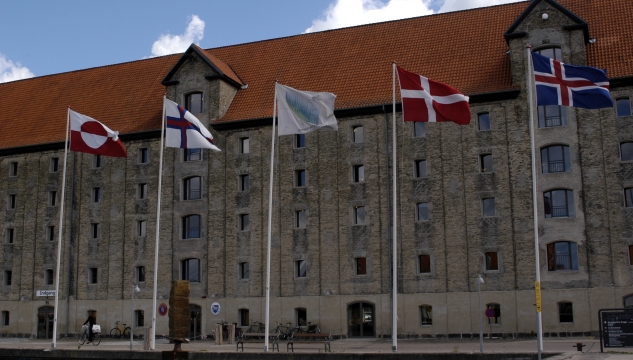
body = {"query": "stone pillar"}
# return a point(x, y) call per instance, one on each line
point(218, 334)
point(231, 331)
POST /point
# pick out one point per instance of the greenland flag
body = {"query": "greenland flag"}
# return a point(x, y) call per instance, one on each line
point(90, 136)
point(430, 101)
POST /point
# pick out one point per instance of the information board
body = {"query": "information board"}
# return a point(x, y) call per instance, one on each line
point(617, 328)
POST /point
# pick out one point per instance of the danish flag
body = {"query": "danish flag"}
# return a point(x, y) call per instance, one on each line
point(569, 85)
point(431, 101)
point(90, 136)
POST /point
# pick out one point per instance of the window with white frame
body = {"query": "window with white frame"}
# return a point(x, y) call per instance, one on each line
point(555, 158)
point(192, 188)
point(190, 270)
point(191, 227)
point(558, 203)
point(194, 103)
point(562, 255)
point(193, 155)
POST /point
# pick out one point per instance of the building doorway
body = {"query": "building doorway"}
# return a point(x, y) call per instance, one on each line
point(195, 314)
point(45, 316)
point(361, 320)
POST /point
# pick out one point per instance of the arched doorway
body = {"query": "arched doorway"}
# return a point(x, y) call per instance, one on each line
point(45, 322)
point(195, 315)
point(361, 320)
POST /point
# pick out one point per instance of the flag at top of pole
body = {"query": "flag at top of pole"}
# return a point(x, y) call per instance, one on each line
point(303, 111)
point(184, 130)
point(430, 101)
point(90, 136)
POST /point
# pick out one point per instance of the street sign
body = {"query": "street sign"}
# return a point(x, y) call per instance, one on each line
point(162, 309)
point(490, 312)
point(537, 290)
point(215, 308)
point(45, 293)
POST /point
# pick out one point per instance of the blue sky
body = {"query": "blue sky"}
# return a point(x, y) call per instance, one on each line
point(46, 37)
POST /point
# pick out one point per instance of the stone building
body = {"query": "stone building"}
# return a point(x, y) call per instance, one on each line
point(464, 192)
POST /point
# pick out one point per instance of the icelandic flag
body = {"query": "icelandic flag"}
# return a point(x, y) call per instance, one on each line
point(570, 85)
point(184, 130)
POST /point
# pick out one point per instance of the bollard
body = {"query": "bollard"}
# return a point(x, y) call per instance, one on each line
point(578, 346)
point(146, 338)
point(218, 334)
point(231, 331)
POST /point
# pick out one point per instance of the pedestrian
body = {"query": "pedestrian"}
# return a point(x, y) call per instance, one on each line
point(91, 321)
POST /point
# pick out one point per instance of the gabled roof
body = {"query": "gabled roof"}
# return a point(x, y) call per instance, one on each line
point(465, 49)
point(579, 23)
point(220, 67)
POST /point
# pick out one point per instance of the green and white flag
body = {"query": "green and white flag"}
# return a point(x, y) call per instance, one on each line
point(303, 111)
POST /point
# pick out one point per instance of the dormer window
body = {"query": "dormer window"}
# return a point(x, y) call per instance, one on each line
point(194, 103)
point(551, 115)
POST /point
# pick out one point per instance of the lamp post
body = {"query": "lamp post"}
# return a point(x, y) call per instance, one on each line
point(480, 281)
point(135, 288)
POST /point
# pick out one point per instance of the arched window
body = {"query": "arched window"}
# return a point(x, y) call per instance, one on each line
point(496, 319)
point(50, 279)
point(555, 158)
point(426, 315)
point(552, 115)
point(243, 314)
point(301, 316)
point(194, 102)
point(190, 270)
point(559, 203)
point(191, 188)
point(562, 255)
point(191, 227)
point(626, 151)
point(623, 107)
point(565, 312)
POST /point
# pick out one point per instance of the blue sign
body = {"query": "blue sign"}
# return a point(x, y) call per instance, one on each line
point(215, 308)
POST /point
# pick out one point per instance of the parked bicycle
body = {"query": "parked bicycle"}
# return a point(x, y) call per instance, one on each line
point(225, 330)
point(256, 327)
point(96, 336)
point(118, 330)
point(285, 332)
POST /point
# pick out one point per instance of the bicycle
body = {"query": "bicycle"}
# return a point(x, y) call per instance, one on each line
point(257, 327)
point(225, 330)
point(96, 336)
point(118, 330)
point(284, 334)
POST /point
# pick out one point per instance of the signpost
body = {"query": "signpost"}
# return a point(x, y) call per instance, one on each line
point(46, 293)
point(616, 328)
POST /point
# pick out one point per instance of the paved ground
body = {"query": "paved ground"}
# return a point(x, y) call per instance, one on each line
point(564, 346)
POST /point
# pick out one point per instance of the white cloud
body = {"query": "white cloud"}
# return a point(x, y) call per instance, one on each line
point(344, 13)
point(171, 44)
point(10, 71)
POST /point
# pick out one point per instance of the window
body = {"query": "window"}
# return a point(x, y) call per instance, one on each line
point(357, 134)
point(193, 154)
point(52, 198)
point(555, 158)
point(422, 211)
point(50, 233)
point(141, 227)
point(192, 188)
point(631, 255)
point(96, 194)
point(420, 168)
point(552, 115)
point(359, 215)
point(244, 318)
point(49, 277)
point(300, 141)
point(300, 219)
point(97, 161)
point(93, 275)
point(139, 316)
point(244, 182)
point(626, 151)
point(190, 270)
point(424, 264)
point(11, 201)
point(141, 191)
point(492, 261)
point(483, 121)
point(140, 274)
point(13, 168)
point(361, 266)
point(426, 315)
point(488, 207)
point(300, 178)
point(628, 197)
point(301, 268)
point(562, 255)
point(359, 173)
point(565, 312)
point(244, 270)
point(559, 203)
point(244, 222)
point(191, 227)
point(94, 230)
point(497, 318)
point(419, 129)
point(5, 318)
point(7, 277)
point(623, 107)
point(194, 102)
point(54, 165)
point(10, 236)
point(244, 145)
point(628, 301)
point(143, 156)
point(485, 163)
point(301, 314)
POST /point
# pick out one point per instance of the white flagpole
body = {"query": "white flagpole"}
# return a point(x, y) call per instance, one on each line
point(537, 285)
point(61, 224)
point(270, 221)
point(160, 184)
point(394, 320)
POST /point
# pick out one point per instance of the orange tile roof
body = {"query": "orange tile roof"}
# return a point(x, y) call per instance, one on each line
point(465, 49)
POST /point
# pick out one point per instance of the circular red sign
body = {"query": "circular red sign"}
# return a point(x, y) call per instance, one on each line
point(162, 309)
point(490, 312)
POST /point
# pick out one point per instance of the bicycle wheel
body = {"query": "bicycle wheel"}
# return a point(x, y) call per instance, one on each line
point(238, 333)
point(115, 332)
point(126, 332)
point(96, 339)
point(82, 338)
